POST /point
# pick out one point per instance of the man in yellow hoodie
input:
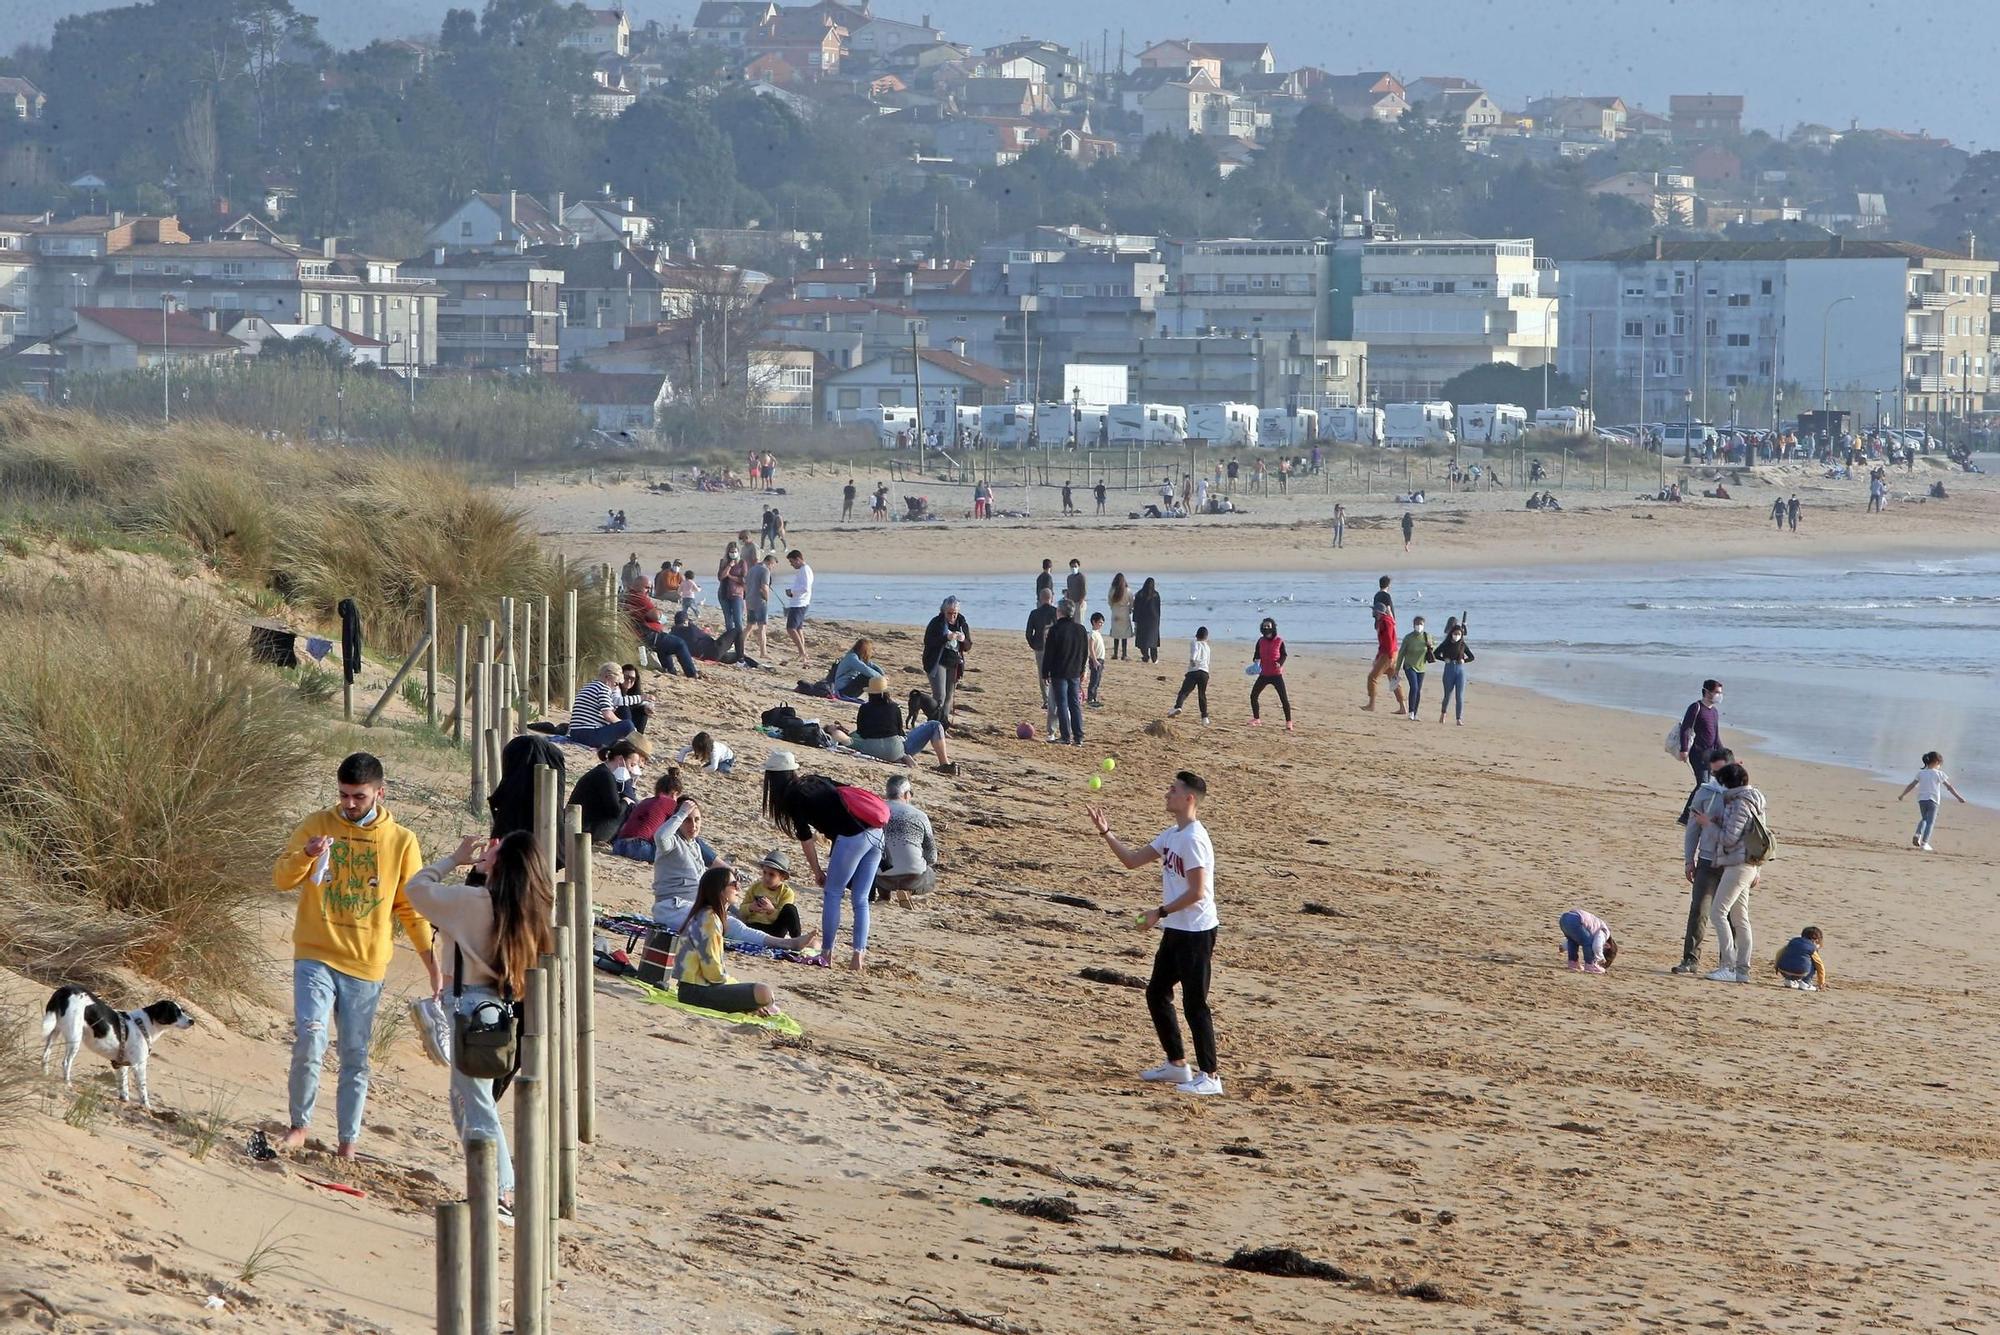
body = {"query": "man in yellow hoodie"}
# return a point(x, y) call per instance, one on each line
point(349, 866)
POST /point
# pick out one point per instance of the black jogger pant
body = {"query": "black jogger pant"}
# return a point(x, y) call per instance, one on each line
point(1706, 877)
point(1194, 683)
point(1276, 681)
point(1183, 959)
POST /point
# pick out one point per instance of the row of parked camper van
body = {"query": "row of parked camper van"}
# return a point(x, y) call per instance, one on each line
point(1023, 425)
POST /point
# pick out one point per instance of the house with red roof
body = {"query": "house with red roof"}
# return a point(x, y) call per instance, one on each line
point(123, 339)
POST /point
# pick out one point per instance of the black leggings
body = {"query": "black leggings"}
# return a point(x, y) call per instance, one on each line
point(785, 924)
point(1183, 959)
point(637, 715)
point(1277, 681)
point(1196, 682)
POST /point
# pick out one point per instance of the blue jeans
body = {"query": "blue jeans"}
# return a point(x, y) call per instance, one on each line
point(639, 850)
point(1416, 681)
point(1926, 818)
point(732, 615)
point(1096, 680)
point(1066, 696)
point(672, 649)
point(473, 1109)
point(600, 735)
point(1454, 688)
point(850, 871)
point(921, 736)
point(321, 994)
point(1574, 937)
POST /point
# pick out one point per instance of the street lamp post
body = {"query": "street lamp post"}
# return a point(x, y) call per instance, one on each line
point(1878, 417)
point(1825, 327)
point(1687, 437)
point(1732, 407)
point(166, 364)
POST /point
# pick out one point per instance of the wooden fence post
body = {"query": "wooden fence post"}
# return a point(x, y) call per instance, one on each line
point(482, 1194)
point(584, 939)
point(454, 1263)
point(531, 1163)
point(431, 655)
point(476, 724)
point(548, 654)
point(458, 720)
point(569, 647)
point(546, 815)
point(527, 674)
point(564, 1085)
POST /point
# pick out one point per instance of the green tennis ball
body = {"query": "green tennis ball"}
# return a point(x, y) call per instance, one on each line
point(1109, 764)
point(1096, 782)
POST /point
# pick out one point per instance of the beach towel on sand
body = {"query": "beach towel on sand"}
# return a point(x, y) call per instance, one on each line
point(780, 1024)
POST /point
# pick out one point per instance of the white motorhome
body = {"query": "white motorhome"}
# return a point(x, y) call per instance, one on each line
point(1148, 423)
point(1424, 423)
point(1287, 426)
point(1491, 423)
point(1226, 424)
point(1056, 423)
point(1354, 426)
point(1565, 421)
point(1006, 426)
point(887, 422)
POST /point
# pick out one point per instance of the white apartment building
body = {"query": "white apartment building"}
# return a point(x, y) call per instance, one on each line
point(1429, 310)
point(1239, 286)
point(1848, 324)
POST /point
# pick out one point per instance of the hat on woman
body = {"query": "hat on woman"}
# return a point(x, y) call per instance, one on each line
point(776, 861)
point(780, 760)
point(878, 686)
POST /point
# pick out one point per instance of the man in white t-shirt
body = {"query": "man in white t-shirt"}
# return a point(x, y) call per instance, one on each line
point(798, 600)
point(1187, 920)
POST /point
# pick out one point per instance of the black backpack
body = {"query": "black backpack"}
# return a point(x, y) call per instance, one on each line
point(777, 716)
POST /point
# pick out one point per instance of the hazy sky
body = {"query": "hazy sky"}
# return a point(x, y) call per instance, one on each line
point(1910, 66)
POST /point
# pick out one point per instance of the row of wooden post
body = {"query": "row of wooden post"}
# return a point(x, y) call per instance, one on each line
point(494, 690)
point(555, 1111)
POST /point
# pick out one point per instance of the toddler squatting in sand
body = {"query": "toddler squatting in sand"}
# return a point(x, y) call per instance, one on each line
point(1588, 940)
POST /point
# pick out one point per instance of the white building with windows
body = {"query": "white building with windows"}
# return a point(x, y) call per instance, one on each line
point(1429, 310)
point(1841, 320)
point(1245, 286)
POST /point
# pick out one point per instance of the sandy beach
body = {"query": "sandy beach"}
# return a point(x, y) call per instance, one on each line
point(1418, 1093)
point(1280, 532)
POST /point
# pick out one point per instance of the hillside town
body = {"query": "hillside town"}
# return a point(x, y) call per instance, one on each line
point(1020, 268)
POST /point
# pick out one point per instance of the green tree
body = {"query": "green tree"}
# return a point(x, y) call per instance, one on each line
point(668, 152)
point(1518, 385)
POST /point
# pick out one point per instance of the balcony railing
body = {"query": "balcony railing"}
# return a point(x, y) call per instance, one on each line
point(1929, 301)
point(1926, 342)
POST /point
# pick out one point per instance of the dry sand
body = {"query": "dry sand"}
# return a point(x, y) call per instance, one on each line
point(1281, 532)
point(1418, 1093)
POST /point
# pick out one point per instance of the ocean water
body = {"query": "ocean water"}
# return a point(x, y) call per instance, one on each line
point(1859, 662)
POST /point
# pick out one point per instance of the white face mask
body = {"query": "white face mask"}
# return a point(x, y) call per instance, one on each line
point(620, 773)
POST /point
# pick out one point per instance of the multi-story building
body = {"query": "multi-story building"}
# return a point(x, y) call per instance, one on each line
point(1429, 310)
point(1701, 117)
point(1850, 324)
point(499, 311)
point(1270, 371)
point(502, 221)
point(1244, 286)
point(369, 297)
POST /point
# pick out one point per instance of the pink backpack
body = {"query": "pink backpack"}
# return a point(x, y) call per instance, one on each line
point(871, 809)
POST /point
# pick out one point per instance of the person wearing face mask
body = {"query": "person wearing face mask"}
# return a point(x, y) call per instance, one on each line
point(1077, 589)
point(608, 789)
point(1414, 657)
point(1701, 733)
point(731, 573)
point(349, 866)
point(1454, 653)
point(1270, 672)
point(680, 858)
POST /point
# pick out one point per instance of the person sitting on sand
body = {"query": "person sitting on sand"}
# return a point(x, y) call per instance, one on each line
point(633, 705)
point(705, 752)
point(699, 975)
point(1799, 963)
point(681, 858)
point(850, 676)
point(643, 821)
point(879, 732)
point(771, 905)
point(593, 717)
point(1588, 940)
point(607, 789)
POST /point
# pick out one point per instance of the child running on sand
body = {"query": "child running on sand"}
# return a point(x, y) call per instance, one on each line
point(1196, 681)
point(1931, 785)
point(1587, 937)
point(1799, 963)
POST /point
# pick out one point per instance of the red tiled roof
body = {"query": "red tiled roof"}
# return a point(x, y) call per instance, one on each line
point(979, 372)
point(143, 327)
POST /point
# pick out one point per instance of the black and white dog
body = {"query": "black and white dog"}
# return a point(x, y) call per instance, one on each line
point(124, 1038)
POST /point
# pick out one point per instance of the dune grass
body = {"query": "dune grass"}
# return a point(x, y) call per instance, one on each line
point(311, 525)
point(135, 826)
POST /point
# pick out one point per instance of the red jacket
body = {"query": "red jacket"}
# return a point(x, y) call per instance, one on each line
point(1385, 633)
point(645, 613)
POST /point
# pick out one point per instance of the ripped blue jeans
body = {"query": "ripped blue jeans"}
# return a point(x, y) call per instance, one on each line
point(322, 995)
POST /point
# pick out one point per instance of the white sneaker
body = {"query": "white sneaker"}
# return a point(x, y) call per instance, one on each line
point(1805, 986)
point(1791, 982)
point(1203, 1084)
point(1168, 1071)
point(1204, 720)
point(1927, 848)
point(1175, 712)
point(1721, 976)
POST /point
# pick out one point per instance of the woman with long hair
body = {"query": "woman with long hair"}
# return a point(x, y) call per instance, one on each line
point(1146, 621)
point(850, 675)
point(1454, 653)
point(1270, 672)
point(1120, 599)
point(496, 930)
point(632, 705)
point(699, 976)
point(809, 806)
